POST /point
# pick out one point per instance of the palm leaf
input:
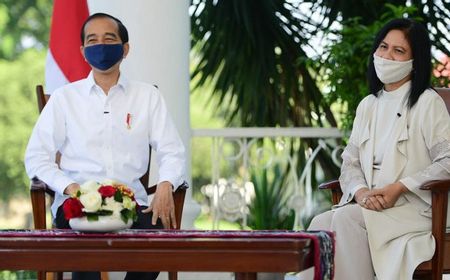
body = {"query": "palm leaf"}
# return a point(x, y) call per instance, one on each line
point(252, 52)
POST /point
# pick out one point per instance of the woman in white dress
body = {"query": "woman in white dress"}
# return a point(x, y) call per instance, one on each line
point(400, 140)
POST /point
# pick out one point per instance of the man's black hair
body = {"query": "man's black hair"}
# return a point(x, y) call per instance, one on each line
point(123, 32)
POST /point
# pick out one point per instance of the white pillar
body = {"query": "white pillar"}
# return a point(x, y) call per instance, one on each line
point(159, 34)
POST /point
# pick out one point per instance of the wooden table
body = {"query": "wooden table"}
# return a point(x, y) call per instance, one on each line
point(244, 255)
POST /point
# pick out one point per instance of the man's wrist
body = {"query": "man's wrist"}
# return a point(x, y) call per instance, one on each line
point(71, 189)
point(164, 184)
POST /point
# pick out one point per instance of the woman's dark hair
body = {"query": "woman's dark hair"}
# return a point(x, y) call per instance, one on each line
point(123, 32)
point(417, 36)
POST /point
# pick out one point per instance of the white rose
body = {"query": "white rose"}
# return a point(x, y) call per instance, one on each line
point(91, 201)
point(89, 186)
point(128, 203)
point(112, 205)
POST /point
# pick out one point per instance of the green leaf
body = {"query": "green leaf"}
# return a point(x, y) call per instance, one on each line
point(127, 215)
point(118, 196)
point(92, 217)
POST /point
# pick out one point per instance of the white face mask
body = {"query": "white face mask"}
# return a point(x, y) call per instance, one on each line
point(391, 71)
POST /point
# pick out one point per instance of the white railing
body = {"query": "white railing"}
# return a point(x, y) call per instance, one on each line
point(269, 132)
point(244, 149)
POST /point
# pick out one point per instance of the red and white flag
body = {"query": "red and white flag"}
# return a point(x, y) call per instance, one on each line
point(65, 63)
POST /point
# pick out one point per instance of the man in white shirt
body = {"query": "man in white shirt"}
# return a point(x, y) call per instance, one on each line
point(103, 126)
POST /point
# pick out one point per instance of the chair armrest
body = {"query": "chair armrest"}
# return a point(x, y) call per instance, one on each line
point(437, 186)
point(335, 188)
point(37, 185)
point(330, 185)
point(37, 192)
point(439, 205)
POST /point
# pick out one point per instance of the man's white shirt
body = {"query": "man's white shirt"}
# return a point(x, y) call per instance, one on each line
point(104, 137)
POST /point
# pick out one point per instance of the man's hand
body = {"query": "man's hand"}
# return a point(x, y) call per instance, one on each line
point(163, 206)
point(72, 189)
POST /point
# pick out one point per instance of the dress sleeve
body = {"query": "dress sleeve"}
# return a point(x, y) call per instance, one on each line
point(436, 133)
point(352, 177)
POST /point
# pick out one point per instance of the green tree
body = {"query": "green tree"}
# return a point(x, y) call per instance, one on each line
point(24, 28)
point(253, 52)
point(343, 10)
point(343, 65)
point(434, 13)
point(17, 275)
point(17, 117)
point(23, 24)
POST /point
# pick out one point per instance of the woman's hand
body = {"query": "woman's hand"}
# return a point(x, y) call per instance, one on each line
point(367, 199)
point(390, 193)
point(361, 196)
point(380, 199)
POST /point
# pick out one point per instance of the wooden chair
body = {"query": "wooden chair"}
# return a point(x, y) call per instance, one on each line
point(440, 263)
point(39, 190)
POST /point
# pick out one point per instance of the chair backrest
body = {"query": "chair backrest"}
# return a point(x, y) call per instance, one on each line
point(39, 188)
point(42, 98)
point(445, 94)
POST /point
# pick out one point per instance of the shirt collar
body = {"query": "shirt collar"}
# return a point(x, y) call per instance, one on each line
point(401, 93)
point(123, 82)
point(91, 85)
point(402, 89)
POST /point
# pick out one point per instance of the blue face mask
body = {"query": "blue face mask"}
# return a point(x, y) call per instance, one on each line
point(103, 56)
